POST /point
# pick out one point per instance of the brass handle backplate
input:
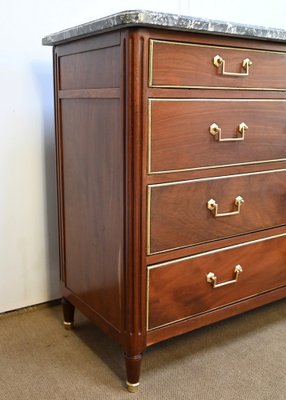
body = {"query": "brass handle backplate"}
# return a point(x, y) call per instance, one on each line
point(213, 206)
point(212, 278)
point(215, 130)
point(218, 61)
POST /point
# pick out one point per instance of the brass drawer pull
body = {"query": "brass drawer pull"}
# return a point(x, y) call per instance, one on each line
point(215, 130)
point(211, 278)
point(213, 206)
point(218, 61)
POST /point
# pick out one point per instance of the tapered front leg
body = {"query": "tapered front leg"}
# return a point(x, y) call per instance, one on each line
point(133, 364)
point(68, 311)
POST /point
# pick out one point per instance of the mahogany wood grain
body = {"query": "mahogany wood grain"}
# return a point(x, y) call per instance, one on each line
point(180, 137)
point(90, 70)
point(134, 279)
point(93, 192)
point(96, 42)
point(180, 289)
point(153, 179)
point(200, 320)
point(68, 310)
point(92, 315)
point(184, 65)
point(213, 245)
point(212, 39)
point(211, 93)
point(133, 366)
point(179, 216)
point(104, 93)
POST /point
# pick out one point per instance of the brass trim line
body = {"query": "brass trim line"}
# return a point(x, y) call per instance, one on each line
point(148, 228)
point(234, 246)
point(217, 177)
point(149, 138)
point(151, 57)
point(151, 51)
point(149, 197)
point(170, 171)
point(149, 268)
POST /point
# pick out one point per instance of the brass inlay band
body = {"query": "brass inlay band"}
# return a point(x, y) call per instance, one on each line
point(212, 278)
point(149, 197)
point(149, 268)
point(219, 62)
point(151, 63)
point(243, 127)
point(234, 246)
point(213, 207)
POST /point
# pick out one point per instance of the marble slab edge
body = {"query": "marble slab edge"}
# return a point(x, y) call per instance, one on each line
point(153, 19)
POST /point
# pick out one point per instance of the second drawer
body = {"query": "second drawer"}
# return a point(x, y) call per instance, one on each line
point(182, 135)
point(184, 213)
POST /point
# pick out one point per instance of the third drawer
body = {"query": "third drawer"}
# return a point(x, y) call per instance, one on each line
point(185, 213)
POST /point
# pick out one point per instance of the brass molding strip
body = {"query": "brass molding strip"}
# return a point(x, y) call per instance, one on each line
point(149, 138)
point(211, 46)
point(149, 197)
point(149, 143)
point(218, 88)
point(234, 246)
point(151, 57)
point(149, 268)
point(217, 177)
point(208, 241)
point(148, 228)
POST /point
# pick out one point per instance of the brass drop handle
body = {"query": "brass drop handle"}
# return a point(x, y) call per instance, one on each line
point(215, 130)
point(218, 61)
point(213, 206)
point(212, 278)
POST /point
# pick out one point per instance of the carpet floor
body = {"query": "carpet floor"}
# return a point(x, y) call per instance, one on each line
point(242, 358)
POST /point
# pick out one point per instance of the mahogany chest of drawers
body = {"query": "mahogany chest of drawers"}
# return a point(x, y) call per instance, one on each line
point(171, 167)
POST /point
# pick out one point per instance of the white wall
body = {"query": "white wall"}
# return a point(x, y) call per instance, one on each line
point(28, 223)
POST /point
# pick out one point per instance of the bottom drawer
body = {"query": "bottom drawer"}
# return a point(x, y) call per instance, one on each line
point(182, 288)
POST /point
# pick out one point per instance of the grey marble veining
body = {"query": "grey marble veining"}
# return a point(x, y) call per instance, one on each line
point(169, 21)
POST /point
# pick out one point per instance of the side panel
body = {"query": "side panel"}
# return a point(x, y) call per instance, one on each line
point(91, 183)
point(93, 193)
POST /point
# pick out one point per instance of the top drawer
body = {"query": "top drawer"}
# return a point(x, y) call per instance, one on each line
point(191, 65)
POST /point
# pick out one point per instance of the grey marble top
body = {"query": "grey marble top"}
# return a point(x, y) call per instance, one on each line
point(167, 21)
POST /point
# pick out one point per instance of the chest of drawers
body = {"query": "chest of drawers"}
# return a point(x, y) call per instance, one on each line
point(171, 167)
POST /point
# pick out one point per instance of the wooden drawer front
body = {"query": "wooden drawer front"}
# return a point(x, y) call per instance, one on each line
point(190, 65)
point(178, 215)
point(179, 289)
point(180, 138)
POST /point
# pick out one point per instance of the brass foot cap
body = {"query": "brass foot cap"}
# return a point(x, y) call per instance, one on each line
point(132, 387)
point(68, 325)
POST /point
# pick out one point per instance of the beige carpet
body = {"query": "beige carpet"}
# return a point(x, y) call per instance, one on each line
point(238, 359)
